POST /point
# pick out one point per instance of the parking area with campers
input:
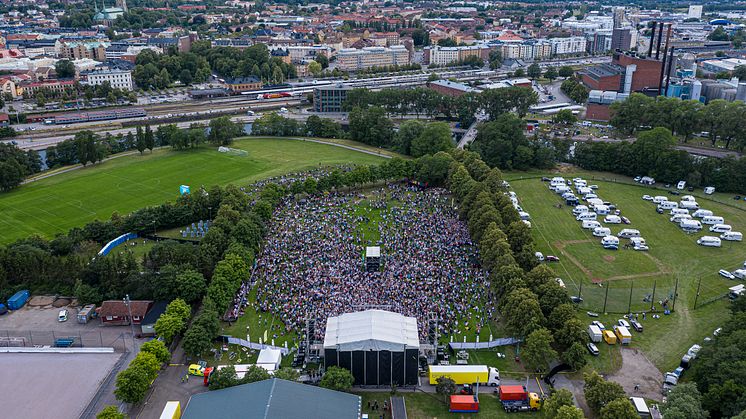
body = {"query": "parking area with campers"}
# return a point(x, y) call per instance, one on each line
point(646, 261)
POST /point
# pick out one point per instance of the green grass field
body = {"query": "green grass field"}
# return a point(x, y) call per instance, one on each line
point(422, 405)
point(632, 276)
point(57, 203)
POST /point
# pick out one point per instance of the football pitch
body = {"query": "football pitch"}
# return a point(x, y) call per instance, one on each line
point(616, 282)
point(58, 203)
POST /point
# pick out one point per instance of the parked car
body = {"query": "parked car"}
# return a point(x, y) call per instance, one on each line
point(690, 189)
point(598, 324)
point(726, 274)
point(593, 349)
point(674, 192)
point(636, 325)
point(545, 179)
point(552, 258)
point(638, 178)
point(622, 322)
point(737, 197)
point(717, 331)
point(625, 220)
point(576, 299)
point(647, 197)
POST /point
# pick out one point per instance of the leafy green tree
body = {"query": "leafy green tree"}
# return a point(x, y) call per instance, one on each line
point(223, 378)
point(148, 362)
point(599, 392)
point(336, 378)
point(684, 402)
point(223, 131)
point(574, 356)
point(619, 408)
point(180, 309)
point(445, 386)
point(196, 340)
point(551, 73)
point(111, 412)
point(84, 293)
point(314, 68)
point(65, 69)
point(188, 285)
point(569, 412)
point(537, 350)
point(564, 117)
point(408, 131)
point(132, 384)
point(573, 331)
point(158, 349)
point(322, 59)
point(140, 140)
point(565, 71)
point(434, 138)
point(289, 374)
point(533, 71)
point(168, 326)
point(255, 373)
point(559, 398)
point(522, 313)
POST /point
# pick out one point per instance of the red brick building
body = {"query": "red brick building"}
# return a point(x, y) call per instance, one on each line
point(116, 313)
point(598, 112)
point(603, 77)
point(647, 71)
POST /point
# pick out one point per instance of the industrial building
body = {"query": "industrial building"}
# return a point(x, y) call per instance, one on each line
point(379, 347)
point(329, 98)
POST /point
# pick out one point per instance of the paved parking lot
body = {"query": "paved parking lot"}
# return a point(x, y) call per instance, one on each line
point(51, 385)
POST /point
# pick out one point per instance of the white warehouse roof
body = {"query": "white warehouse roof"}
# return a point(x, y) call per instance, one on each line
point(377, 330)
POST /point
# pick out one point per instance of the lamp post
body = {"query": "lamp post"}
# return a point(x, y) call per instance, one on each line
point(127, 302)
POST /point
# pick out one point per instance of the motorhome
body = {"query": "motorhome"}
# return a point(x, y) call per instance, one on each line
point(710, 190)
point(580, 183)
point(701, 213)
point(736, 291)
point(668, 205)
point(628, 233)
point(612, 219)
point(589, 196)
point(709, 241)
point(579, 209)
point(610, 242)
point(675, 211)
point(556, 181)
point(590, 224)
point(680, 217)
point(659, 198)
point(690, 225)
point(586, 216)
point(595, 333)
point(681, 185)
point(720, 228)
point(712, 220)
point(601, 231)
point(692, 205)
point(595, 201)
point(687, 198)
point(524, 216)
point(601, 209)
point(739, 273)
point(647, 180)
point(734, 236)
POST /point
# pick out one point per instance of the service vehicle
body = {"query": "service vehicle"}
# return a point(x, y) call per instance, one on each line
point(518, 399)
point(465, 374)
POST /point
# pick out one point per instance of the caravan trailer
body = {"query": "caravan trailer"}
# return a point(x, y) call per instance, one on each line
point(709, 190)
point(590, 224)
point(675, 211)
point(586, 216)
point(701, 213)
point(692, 226)
point(692, 205)
point(610, 242)
point(735, 236)
point(601, 232)
point(709, 241)
point(659, 198)
point(712, 220)
point(681, 185)
point(720, 228)
point(579, 210)
point(612, 219)
point(668, 205)
point(628, 233)
point(678, 218)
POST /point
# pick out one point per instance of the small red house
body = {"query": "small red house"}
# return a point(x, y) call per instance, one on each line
point(116, 313)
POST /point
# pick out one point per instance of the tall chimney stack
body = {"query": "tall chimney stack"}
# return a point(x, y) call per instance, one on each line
point(652, 40)
point(660, 39)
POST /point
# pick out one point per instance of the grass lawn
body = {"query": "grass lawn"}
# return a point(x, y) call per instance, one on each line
point(632, 276)
point(57, 203)
point(422, 405)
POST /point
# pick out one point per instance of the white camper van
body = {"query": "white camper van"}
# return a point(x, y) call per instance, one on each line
point(628, 233)
point(681, 185)
point(734, 236)
point(690, 225)
point(687, 198)
point(579, 209)
point(612, 219)
point(591, 224)
point(601, 231)
point(659, 198)
point(702, 213)
point(610, 242)
point(524, 215)
point(710, 190)
point(675, 211)
point(692, 205)
point(720, 228)
point(709, 241)
point(601, 209)
point(680, 217)
point(712, 220)
point(668, 205)
point(586, 216)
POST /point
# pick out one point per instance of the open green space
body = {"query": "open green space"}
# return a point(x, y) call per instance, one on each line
point(422, 405)
point(626, 280)
point(122, 185)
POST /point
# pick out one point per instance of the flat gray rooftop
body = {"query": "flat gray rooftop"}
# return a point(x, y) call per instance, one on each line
point(51, 385)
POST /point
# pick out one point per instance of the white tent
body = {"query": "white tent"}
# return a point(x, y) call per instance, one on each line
point(269, 358)
point(373, 251)
point(376, 330)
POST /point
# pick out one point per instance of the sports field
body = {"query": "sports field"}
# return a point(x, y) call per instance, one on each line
point(124, 184)
point(631, 276)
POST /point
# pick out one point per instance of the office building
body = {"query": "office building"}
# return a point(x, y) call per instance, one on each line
point(621, 38)
point(118, 79)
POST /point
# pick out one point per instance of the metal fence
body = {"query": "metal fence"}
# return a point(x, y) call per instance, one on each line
point(92, 339)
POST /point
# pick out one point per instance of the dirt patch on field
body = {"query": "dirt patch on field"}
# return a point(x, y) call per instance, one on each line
point(61, 302)
point(637, 370)
point(41, 300)
point(609, 258)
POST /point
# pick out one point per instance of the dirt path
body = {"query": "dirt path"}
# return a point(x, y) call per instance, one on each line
point(638, 370)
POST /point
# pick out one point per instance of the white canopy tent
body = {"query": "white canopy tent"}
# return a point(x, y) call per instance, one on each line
point(269, 357)
point(376, 330)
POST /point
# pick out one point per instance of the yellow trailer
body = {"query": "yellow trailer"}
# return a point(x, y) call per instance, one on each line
point(465, 374)
point(171, 411)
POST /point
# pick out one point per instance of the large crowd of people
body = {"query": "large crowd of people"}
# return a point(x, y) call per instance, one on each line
point(312, 267)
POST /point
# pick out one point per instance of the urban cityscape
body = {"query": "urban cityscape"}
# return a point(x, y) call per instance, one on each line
point(372, 209)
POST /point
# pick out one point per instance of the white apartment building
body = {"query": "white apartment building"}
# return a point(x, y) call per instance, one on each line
point(526, 50)
point(351, 59)
point(566, 46)
point(446, 55)
point(118, 79)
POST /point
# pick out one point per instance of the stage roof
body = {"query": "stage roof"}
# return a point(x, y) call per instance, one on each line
point(376, 330)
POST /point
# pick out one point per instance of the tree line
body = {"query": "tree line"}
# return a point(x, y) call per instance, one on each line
point(653, 154)
point(16, 165)
point(719, 120)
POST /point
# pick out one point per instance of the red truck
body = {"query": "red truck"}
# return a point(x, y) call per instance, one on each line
point(517, 399)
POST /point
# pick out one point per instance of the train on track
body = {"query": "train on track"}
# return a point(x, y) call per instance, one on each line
point(107, 115)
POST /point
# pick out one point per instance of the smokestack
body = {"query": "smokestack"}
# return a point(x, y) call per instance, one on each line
point(668, 74)
point(652, 40)
point(660, 39)
point(663, 63)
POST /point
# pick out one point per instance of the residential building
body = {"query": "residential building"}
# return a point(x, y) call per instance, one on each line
point(568, 46)
point(273, 398)
point(118, 79)
point(621, 39)
point(329, 98)
point(54, 85)
point(76, 50)
point(446, 55)
point(359, 59)
point(8, 87)
point(147, 326)
point(243, 84)
point(4, 120)
point(116, 312)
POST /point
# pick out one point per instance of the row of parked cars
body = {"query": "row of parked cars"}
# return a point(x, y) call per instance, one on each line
point(620, 332)
point(690, 218)
point(737, 274)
